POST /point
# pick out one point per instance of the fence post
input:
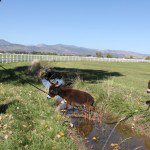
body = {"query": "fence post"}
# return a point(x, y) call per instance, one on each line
point(2, 58)
point(13, 59)
point(6, 58)
point(16, 57)
point(24, 57)
point(28, 57)
point(10, 57)
point(21, 57)
point(32, 57)
point(36, 56)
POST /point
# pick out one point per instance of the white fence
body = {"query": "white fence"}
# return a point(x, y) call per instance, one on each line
point(7, 57)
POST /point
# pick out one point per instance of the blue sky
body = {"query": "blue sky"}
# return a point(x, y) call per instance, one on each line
point(102, 24)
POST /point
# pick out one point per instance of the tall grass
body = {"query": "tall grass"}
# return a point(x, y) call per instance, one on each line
point(119, 102)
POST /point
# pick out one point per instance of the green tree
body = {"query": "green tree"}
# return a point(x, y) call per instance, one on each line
point(99, 54)
point(147, 58)
point(131, 57)
point(109, 55)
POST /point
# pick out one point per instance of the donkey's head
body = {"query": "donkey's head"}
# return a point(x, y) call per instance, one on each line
point(54, 89)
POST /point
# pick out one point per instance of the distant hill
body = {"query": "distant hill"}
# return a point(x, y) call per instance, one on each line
point(3, 42)
point(64, 49)
point(123, 54)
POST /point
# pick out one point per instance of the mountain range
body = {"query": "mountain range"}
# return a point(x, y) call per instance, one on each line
point(65, 50)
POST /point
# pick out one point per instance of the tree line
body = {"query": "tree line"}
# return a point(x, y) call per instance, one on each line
point(108, 55)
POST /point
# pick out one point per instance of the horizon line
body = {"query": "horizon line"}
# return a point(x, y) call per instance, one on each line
point(96, 49)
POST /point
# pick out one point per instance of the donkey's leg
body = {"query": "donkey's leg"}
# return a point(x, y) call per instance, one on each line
point(73, 105)
point(67, 104)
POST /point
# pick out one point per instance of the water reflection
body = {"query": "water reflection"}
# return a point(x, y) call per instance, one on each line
point(122, 135)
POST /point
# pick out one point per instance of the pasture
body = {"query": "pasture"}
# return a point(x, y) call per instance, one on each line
point(29, 120)
point(120, 88)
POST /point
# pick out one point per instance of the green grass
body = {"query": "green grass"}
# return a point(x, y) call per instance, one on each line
point(120, 88)
point(30, 120)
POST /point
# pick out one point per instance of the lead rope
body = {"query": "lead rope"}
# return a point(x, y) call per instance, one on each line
point(24, 80)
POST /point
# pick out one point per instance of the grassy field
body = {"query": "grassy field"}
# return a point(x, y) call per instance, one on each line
point(31, 122)
point(120, 88)
point(28, 120)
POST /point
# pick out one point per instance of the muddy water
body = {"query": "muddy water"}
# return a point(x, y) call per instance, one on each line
point(96, 134)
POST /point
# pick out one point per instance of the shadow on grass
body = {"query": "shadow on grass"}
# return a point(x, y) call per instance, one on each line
point(87, 74)
point(4, 107)
point(70, 74)
point(13, 75)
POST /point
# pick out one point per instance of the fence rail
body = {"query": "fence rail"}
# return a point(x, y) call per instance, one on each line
point(7, 57)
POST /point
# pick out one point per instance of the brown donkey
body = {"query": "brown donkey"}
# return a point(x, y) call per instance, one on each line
point(148, 91)
point(72, 96)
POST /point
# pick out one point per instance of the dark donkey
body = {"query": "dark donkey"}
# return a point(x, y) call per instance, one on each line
point(72, 96)
point(148, 91)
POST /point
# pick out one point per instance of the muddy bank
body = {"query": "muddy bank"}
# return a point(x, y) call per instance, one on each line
point(102, 136)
